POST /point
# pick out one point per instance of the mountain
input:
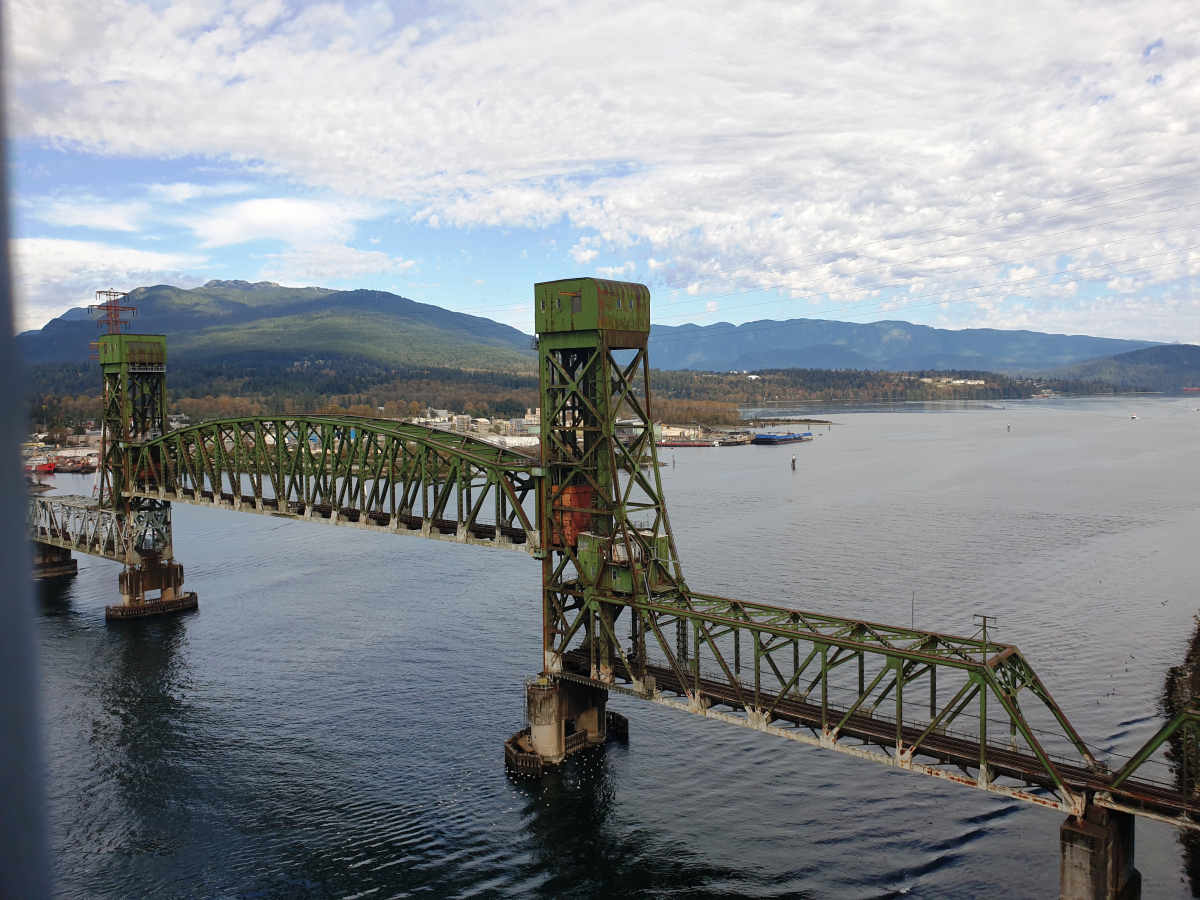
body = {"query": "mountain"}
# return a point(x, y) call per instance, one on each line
point(892, 346)
point(1168, 368)
point(818, 356)
point(235, 323)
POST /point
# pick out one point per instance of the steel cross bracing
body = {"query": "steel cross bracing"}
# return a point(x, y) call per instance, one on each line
point(374, 474)
point(78, 524)
point(950, 707)
point(968, 710)
point(594, 473)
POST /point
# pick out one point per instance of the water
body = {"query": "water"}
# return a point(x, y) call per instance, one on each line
point(329, 723)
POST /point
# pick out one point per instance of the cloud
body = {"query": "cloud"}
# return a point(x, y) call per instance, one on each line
point(52, 274)
point(582, 252)
point(290, 219)
point(713, 139)
point(613, 271)
point(306, 265)
point(89, 212)
point(183, 191)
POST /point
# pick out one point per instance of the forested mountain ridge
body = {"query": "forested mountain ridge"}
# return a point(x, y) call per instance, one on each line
point(1169, 368)
point(888, 346)
point(264, 325)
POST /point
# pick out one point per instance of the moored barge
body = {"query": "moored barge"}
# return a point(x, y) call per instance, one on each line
point(790, 438)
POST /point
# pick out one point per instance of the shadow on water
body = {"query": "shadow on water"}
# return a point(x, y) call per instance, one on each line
point(55, 596)
point(1181, 689)
point(148, 746)
point(579, 849)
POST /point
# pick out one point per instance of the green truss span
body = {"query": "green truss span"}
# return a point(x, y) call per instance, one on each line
point(617, 611)
point(374, 474)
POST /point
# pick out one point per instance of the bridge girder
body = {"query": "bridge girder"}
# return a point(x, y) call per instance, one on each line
point(374, 474)
point(572, 508)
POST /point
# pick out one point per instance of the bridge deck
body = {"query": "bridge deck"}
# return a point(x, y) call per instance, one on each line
point(1150, 799)
point(486, 534)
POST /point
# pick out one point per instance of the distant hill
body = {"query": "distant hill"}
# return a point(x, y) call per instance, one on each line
point(889, 346)
point(238, 324)
point(1167, 367)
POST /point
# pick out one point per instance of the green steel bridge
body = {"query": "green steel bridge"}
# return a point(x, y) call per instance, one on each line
point(618, 614)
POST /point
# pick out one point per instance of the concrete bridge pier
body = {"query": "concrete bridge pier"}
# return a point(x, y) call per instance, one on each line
point(554, 705)
point(1097, 857)
point(587, 708)
point(51, 562)
point(564, 716)
point(152, 574)
point(545, 709)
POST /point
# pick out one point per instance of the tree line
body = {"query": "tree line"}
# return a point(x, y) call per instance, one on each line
point(69, 394)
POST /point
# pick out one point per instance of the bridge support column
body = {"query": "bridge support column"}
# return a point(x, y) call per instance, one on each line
point(1096, 860)
point(152, 574)
point(546, 708)
point(51, 562)
point(551, 706)
point(587, 706)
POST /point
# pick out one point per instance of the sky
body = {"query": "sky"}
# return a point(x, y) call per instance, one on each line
point(1010, 165)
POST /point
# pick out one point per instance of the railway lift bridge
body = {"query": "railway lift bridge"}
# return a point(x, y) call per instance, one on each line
point(618, 615)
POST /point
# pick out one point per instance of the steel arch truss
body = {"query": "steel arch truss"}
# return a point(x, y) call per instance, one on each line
point(367, 473)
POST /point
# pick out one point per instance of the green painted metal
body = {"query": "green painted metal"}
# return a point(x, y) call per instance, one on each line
point(591, 508)
point(1183, 732)
point(370, 473)
point(602, 485)
point(134, 369)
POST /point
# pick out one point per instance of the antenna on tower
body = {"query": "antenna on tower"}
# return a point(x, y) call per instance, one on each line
point(110, 302)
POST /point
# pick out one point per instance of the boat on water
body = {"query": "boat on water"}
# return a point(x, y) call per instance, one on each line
point(688, 444)
point(40, 466)
point(789, 438)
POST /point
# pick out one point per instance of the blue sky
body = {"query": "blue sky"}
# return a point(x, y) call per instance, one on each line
point(760, 160)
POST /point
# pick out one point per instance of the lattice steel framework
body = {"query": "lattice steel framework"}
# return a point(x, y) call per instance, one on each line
point(345, 470)
point(984, 718)
point(591, 507)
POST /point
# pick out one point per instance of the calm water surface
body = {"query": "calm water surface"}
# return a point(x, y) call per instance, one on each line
point(329, 723)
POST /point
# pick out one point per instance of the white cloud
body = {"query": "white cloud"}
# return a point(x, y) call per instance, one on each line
point(583, 252)
point(89, 212)
point(711, 137)
point(183, 191)
point(290, 219)
point(613, 271)
point(309, 264)
point(51, 274)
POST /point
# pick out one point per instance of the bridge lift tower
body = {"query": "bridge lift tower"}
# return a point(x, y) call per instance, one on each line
point(134, 369)
point(606, 535)
point(618, 615)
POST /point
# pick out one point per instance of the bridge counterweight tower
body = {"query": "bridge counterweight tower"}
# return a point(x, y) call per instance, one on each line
point(134, 368)
point(590, 507)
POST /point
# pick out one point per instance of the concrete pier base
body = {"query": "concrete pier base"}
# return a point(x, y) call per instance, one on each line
point(152, 574)
point(1097, 857)
point(564, 717)
point(545, 709)
point(52, 562)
